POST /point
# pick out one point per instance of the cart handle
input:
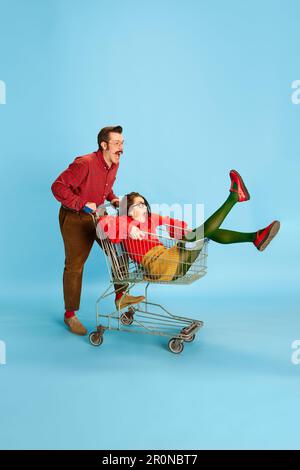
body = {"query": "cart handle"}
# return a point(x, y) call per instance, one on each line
point(96, 214)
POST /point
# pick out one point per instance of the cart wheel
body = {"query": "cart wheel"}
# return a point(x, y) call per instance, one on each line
point(96, 339)
point(176, 345)
point(126, 318)
point(190, 338)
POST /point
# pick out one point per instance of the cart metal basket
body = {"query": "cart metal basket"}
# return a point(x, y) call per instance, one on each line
point(147, 317)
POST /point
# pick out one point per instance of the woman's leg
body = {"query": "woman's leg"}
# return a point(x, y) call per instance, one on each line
point(238, 193)
point(230, 236)
point(210, 226)
point(214, 221)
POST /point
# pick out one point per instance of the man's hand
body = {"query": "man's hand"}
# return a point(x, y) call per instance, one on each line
point(91, 205)
point(115, 202)
point(101, 212)
point(136, 234)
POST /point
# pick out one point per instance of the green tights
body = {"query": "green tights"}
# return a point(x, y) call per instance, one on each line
point(210, 229)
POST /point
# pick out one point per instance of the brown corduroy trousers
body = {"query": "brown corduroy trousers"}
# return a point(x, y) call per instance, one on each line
point(79, 233)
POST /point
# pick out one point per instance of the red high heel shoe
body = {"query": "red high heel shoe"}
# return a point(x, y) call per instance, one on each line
point(241, 190)
point(267, 234)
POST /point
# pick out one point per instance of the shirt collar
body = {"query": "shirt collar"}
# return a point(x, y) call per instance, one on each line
point(102, 161)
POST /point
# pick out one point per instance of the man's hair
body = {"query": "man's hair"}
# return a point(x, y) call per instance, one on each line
point(103, 135)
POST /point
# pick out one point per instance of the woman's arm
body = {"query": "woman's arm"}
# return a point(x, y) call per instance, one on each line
point(175, 227)
point(116, 229)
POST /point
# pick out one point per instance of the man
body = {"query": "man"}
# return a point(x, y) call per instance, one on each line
point(87, 182)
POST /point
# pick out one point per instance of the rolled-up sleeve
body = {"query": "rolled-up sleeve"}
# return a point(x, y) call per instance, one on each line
point(176, 228)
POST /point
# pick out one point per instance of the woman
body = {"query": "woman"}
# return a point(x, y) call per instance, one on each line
point(136, 227)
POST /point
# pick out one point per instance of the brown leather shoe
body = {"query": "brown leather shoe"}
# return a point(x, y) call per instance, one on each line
point(128, 300)
point(75, 326)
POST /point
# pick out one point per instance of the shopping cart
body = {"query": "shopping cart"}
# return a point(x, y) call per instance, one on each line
point(146, 317)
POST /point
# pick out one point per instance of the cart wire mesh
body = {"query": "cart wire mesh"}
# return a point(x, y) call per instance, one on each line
point(188, 261)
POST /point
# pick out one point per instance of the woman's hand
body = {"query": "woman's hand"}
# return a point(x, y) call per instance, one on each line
point(136, 234)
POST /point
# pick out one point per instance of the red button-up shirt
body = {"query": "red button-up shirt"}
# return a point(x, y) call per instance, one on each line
point(87, 179)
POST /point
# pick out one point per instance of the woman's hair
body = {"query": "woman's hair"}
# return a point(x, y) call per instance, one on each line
point(128, 200)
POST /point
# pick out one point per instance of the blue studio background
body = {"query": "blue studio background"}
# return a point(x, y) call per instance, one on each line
point(199, 87)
